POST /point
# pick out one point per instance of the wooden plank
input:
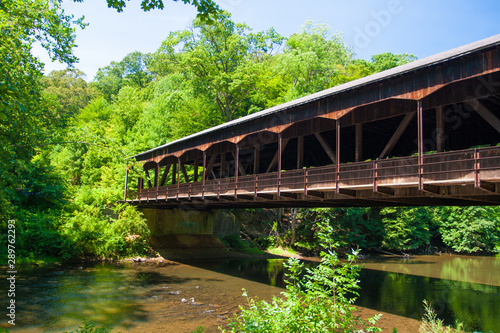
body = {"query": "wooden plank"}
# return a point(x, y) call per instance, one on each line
point(276, 156)
point(485, 113)
point(329, 151)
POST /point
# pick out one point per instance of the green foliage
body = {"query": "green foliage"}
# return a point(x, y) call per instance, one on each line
point(431, 324)
point(316, 299)
point(406, 228)
point(470, 229)
point(207, 9)
point(91, 327)
point(236, 243)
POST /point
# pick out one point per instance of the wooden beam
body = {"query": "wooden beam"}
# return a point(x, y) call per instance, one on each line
point(165, 175)
point(195, 177)
point(485, 113)
point(358, 151)
point(326, 147)
point(420, 137)
point(278, 153)
point(256, 159)
point(397, 134)
point(238, 162)
point(157, 174)
point(184, 172)
point(174, 173)
point(223, 166)
point(300, 152)
point(210, 164)
point(439, 129)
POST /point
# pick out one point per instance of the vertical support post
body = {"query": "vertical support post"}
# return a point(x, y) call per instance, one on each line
point(420, 144)
point(300, 152)
point(337, 159)
point(126, 184)
point(178, 175)
point(157, 179)
point(358, 152)
point(280, 145)
point(256, 159)
point(236, 169)
point(439, 129)
point(204, 175)
point(195, 179)
point(157, 174)
point(174, 173)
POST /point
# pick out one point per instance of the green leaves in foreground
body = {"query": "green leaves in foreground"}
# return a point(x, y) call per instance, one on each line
point(317, 299)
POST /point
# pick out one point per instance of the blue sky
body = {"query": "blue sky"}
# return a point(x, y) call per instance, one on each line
point(423, 27)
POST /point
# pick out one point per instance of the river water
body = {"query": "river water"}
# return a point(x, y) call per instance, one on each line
point(179, 297)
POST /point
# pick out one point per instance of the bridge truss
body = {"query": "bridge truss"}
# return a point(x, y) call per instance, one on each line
point(425, 133)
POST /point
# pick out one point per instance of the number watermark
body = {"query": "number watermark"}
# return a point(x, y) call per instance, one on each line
point(11, 271)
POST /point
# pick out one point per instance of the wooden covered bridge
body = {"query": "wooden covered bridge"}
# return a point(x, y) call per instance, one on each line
point(425, 133)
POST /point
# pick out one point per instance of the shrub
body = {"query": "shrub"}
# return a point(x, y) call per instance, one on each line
point(317, 299)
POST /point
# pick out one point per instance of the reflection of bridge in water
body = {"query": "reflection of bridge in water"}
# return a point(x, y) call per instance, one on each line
point(425, 133)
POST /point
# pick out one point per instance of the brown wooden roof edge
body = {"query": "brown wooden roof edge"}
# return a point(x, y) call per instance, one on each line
point(396, 71)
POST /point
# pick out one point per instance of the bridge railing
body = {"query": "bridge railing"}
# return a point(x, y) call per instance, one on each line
point(465, 166)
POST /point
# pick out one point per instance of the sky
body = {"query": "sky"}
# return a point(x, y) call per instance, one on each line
point(419, 27)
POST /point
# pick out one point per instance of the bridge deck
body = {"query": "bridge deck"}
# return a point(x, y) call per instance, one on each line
point(454, 177)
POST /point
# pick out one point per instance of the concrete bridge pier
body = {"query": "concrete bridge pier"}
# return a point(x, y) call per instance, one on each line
point(177, 233)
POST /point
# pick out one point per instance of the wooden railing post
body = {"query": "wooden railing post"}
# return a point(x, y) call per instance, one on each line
point(477, 166)
point(374, 174)
point(218, 188)
point(306, 173)
point(256, 185)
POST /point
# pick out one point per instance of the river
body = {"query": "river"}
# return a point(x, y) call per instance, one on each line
point(181, 296)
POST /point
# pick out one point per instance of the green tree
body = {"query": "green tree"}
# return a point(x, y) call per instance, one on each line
point(206, 8)
point(68, 91)
point(224, 61)
point(470, 229)
point(314, 59)
point(406, 227)
point(23, 121)
point(383, 61)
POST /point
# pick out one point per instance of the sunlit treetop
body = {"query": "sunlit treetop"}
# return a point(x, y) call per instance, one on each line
point(207, 9)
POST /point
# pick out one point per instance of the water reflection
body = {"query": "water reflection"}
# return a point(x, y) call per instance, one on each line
point(147, 297)
point(476, 305)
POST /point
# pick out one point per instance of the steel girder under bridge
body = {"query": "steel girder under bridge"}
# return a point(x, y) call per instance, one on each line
point(425, 133)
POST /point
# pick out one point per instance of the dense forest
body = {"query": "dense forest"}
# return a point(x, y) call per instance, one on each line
point(65, 142)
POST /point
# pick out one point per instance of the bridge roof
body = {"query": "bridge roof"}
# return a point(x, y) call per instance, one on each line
point(365, 81)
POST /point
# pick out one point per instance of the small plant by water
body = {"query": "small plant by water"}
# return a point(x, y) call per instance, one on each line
point(318, 299)
point(431, 324)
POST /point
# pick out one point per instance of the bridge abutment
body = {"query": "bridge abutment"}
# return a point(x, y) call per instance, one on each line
point(189, 233)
